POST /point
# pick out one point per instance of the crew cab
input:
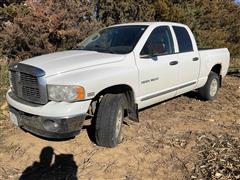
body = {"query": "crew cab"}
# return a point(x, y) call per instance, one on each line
point(111, 75)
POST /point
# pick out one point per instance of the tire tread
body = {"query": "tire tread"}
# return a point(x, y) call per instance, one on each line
point(105, 120)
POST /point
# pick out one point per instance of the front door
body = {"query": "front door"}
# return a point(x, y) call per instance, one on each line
point(158, 67)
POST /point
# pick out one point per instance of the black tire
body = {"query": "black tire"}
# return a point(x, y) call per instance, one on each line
point(205, 91)
point(107, 123)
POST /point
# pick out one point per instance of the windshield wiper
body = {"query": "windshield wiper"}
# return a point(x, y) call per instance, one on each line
point(95, 48)
point(105, 51)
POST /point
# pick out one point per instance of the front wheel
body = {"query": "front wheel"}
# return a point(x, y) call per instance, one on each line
point(109, 119)
point(210, 90)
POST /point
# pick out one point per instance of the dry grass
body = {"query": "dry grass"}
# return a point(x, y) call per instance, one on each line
point(3, 80)
point(3, 90)
point(234, 65)
point(218, 157)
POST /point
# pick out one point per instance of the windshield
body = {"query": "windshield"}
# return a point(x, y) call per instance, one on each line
point(115, 40)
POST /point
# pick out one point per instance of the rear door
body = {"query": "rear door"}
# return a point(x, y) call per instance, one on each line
point(189, 62)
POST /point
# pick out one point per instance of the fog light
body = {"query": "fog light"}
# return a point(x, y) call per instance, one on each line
point(51, 125)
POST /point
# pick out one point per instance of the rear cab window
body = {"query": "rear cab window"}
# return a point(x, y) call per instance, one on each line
point(183, 39)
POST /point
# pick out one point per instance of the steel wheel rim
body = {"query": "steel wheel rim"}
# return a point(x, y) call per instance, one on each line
point(118, 122)
point(213, 87)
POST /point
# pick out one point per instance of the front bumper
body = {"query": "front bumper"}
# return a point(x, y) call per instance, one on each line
point(56, 128)
point(53, 120)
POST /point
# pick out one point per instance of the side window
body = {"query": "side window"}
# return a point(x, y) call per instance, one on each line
point(183, 38)
point(160, 42)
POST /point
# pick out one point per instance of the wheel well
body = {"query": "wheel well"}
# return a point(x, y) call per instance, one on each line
point(117, 89)
point(129, 99)
point(217, 69)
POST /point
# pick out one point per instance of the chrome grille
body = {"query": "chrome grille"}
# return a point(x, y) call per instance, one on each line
point(28, 83)
point(29, 92)
point(28, 80)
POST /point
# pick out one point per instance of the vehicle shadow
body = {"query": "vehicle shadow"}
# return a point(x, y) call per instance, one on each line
point(48, 139)
point(91, 128)
point(63, 167)
point(91, 132)
point(193, 95)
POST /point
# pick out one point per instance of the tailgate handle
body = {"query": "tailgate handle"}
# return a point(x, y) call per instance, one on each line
point(173, 63)
point(195, 59)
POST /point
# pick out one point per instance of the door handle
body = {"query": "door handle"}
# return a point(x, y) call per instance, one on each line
point(172, 63)
point(195, 59)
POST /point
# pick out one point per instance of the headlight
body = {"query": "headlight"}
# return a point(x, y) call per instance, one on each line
point(65, 93)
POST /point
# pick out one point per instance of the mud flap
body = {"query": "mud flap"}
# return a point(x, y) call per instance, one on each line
point(133, 113)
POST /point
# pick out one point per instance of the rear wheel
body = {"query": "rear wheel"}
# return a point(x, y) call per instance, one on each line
point(109, 119)
point(210, 90)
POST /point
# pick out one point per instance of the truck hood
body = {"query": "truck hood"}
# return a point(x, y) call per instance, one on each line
point(65, 61)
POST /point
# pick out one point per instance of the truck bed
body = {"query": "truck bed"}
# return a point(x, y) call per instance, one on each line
point(210, 57)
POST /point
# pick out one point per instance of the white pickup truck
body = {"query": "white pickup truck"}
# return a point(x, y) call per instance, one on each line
point(109, 76)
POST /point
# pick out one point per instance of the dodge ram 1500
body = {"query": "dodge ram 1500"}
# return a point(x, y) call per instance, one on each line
point(109, 76)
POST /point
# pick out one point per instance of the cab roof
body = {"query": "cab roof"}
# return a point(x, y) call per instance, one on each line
point(150, 24)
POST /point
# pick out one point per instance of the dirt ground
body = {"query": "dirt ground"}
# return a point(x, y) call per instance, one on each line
point(162, 146)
